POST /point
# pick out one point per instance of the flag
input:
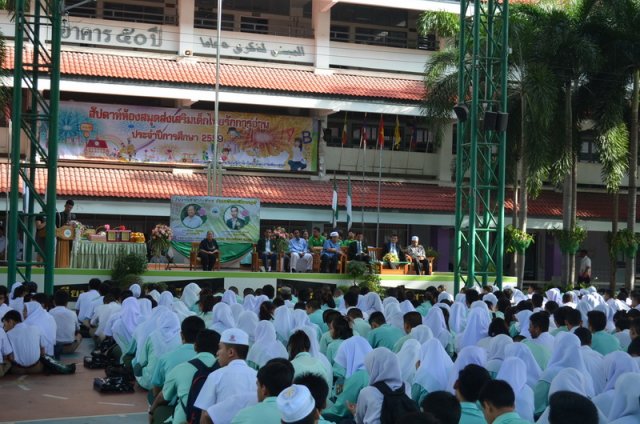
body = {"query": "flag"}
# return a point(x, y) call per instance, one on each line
point(344, 131)
point(397, 139)
point(363, 133)
point(412, 141)
point(334, 205)
point(348, 204)
point(381, 132)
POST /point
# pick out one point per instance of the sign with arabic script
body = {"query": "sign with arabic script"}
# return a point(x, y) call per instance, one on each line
point(140, 134)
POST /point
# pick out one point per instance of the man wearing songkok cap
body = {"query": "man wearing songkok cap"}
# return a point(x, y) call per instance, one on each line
point(417, 254)
point(331, 252)
point(234, 383)
point(296, 405)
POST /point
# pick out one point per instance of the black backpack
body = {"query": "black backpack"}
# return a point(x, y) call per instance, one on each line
point(202, 372)
point(395, 404)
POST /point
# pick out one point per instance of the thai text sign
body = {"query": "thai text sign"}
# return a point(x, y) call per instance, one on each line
point(140, 134)
point(232, 220)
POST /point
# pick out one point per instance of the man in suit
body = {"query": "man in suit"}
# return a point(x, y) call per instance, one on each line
point(234, 222)
point(267, 250)
point(357, 250)
point(393, 247)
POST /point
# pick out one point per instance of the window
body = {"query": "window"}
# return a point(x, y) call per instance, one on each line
point(383, 16)
point(254, 25)
point(207, 18)
point(136, 13)
point(339, 33)
point(588, 149)
point(427, 43)
point(380, 37)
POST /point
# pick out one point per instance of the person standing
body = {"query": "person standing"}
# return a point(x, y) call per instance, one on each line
point(417, 254)
point(207, 252)
point(584, 275)
point(66, 216)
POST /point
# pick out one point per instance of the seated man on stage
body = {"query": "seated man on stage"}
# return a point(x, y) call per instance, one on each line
point(207, 252)
point(301, 259)
point(393, 247)
point(416, 252)
point(330, 254)
point(358, 249)
point(267, 250)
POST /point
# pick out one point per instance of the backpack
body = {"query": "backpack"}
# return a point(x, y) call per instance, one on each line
point(202, 372)
point(395, 404)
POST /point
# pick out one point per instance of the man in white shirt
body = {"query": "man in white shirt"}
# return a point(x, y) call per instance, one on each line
point(68, 336)
point(584, 276)
point(234, 380)
point(102, 314)
point(5, 353)
point(192, 220)
point(301, 259)
point(27, 344)
point(83, 304)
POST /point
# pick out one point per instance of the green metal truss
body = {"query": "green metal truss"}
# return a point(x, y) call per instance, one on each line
point(480, 159)
point(37, 58)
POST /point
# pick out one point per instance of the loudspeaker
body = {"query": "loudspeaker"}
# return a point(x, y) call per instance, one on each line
point(490, 119)
point(461, 111)
point(502, 121)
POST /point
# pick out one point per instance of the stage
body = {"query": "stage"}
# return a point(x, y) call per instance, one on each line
point(243, 279)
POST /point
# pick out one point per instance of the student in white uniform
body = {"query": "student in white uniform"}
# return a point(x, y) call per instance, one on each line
point(83, 304)
point(68, 336)
point(36, 316)
point(235, 378)
point(5, 353)
point(26, 342)
point(296, 405)
point(102, 314)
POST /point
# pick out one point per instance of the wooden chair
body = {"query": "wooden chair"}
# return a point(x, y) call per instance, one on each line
point(194, 258)
point(256, 261)
point(316, 252)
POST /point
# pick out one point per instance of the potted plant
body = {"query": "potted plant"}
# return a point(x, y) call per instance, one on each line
point(626, 242)
point(570, 240)
point(516, 240)
point(431, 254)
point(356, 269)
point(128, 268)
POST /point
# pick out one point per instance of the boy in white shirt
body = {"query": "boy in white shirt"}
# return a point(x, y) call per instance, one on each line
point(27, 344)
point(101, 316)
point(68, 336)
point(5, 353)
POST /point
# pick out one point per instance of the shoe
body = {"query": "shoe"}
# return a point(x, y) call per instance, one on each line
point(262, 269)
point(293, 270)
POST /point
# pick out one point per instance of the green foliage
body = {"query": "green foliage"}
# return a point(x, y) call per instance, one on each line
point(160, 286)
point(128, 266)
point(430, 252)
point(444, 24)
point(624, 241)
point(356, 269)
point(343, 289)
point(372, 282)
point(516, 240)
point(570, 240)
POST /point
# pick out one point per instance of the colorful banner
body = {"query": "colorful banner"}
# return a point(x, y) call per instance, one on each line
point(140, 134)
point(232, 220)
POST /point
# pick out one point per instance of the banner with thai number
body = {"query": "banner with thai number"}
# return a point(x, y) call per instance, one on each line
point(140, 134)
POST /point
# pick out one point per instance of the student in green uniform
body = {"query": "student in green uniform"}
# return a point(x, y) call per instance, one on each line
point(175, 390)
point(601, 341)
point(498, 403)
point(443, 405)
point(340, 331)
point(319, 391)
point(325, 339)
point(315, 314)
point(470, 381)
point(382, 334)
point(275, 376)
point(359, 325)
point(569, 407)
point(560, 316)
point(410, 320)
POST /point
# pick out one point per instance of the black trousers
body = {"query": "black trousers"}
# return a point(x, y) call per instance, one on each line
point(418, 265)
point(208, 261)
point(331, 261)
point(269, 260)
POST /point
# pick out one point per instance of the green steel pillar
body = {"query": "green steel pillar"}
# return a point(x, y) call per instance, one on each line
point(481, 143)
point(34, 113)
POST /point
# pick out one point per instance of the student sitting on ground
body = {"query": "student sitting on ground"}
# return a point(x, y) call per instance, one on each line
point(5, 352)
point(27, 344)
point(68, 335)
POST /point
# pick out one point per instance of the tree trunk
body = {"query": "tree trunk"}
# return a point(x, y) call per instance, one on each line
point(567, 194)
point(630, 272)
point(613, 260)
point(574, 211)
point(521, 172)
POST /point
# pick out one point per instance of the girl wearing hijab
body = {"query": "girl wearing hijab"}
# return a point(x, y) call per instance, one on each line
point(266, 346)
point(124, 326)
point(205, 306)
point(372, 303)
point(409, 357)
point(141, 335)
point(222, 318)
point(477, 328)
point(136, 290)
point(166, 299)
point(434, 368)
point(350, 358)
point(247, 322)
point(229, 297)
point(164, 338)
point(236, 310)
point(16, 298)
point(35, 315)
point(190, 296)
point(436, 322)
point(496, 353)
point(393, 315)
point(383, 367)
point(626, 408)
point(615, 365)
point(514, 372)
point(518, 350)
point(299, 348)
point(283, 323)
point(467, 356)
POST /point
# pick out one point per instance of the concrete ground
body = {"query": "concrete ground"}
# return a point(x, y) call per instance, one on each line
point(68, 398)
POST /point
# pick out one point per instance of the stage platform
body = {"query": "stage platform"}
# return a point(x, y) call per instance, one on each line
point(243, 279)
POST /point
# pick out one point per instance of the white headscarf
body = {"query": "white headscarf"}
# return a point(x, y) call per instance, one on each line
point(247, 322)
point(458, 317)
point(407, 306)
point(155, 295)
point(136, 290)
point(625, 403)
point(468, 355)
point(445, 296)
point(258, 301)
point(616, 364)
point(461, 298)
point(518, 350)
point(181, 310)
point(608, 311)
point(569, 379)
point(408, 358)
point(222, 318)
point(554, 295)
point(166, 299)
point(144, 329)
point(435, 367)
point(16, 303)
point(127, 321)
point(351, 354)
point(393, 315)
point(584, 307)
point(567, 354)
point(248, 302)
point(283, 323)
point(300, 319)
point(594, 362)
point(229, 297)
point(421, 333)
point(383, 366)
point(190, 295)
point(477, 328)
point(311, 332)
point(266, 345)
point(513, 371)
point(372, 303)
point(496, 353)
point(518, 296)
point(40, 318)
point(145, 307)
point(491, 298)
point(523, 322)
point(237, 310)
point(388, 300)
point(436, 322)
point(166, 337)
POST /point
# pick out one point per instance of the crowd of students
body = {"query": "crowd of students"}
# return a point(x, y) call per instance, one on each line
point(485, 356)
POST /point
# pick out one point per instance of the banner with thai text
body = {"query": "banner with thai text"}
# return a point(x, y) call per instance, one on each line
point(140, 134)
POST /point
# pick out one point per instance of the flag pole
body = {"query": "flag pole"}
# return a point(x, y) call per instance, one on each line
point(380, 143)
point(364, 165)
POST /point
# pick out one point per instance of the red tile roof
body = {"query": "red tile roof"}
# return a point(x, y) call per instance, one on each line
point(128, 183)
point(245, 76)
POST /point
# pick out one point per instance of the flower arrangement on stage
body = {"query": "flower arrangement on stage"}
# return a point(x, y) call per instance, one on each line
point(79, 229)
point(391, 257)
point(161, 237)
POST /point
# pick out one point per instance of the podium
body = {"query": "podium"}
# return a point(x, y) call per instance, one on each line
point(64, 235)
